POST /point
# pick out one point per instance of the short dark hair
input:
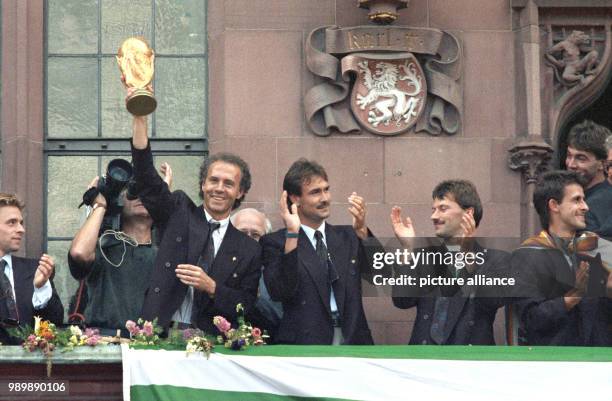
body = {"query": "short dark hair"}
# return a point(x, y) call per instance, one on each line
point(230, 158)
point(463, 192)
point(551, 185)
point(589, 137)
point(302, 171)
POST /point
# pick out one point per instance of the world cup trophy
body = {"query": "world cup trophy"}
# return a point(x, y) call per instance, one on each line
point(135, 59)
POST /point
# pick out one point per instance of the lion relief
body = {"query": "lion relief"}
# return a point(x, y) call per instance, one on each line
point(387, 103)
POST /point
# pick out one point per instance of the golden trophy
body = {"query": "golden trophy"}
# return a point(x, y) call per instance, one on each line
point(135, 59)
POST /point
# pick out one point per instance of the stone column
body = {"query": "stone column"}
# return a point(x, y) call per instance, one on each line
point(530, 153)
point(22, 112)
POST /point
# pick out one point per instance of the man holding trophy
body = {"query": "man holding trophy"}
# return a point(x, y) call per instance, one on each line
point(204, 266)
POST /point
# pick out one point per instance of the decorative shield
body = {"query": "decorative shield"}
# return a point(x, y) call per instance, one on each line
point(389, 92)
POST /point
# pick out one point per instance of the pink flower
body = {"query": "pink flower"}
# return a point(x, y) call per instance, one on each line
point(147, 328)
point(31, 338)
point(131, 326)
point(222, 324)
point(91, 332)
point(93, 340)
point(255, 332)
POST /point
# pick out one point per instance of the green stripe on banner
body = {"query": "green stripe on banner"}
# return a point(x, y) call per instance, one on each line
point(443, 352)
point(171, 393)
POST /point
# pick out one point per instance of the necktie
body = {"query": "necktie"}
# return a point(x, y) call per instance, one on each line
point(438, 320)
point(6, 295)
point(332, 274)
point(208, 253)
point(205, 261)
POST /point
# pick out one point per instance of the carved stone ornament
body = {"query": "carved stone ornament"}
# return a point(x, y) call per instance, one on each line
point(403, 79)
point(531, 158)
point(389, 92)
point(383, 11)
point(582, 66)
point(573, 59)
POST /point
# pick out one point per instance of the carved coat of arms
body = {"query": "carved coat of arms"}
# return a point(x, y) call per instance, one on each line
point(389, 94)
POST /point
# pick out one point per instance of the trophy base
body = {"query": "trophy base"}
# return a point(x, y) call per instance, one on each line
point(141, 103)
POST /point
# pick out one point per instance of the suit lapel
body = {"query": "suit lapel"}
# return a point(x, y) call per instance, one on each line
point(309, 258)
point(339, 254)
point(198, 232)
point(23, 278)
point(228, 256)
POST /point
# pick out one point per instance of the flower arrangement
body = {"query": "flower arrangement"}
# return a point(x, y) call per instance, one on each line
point(197, 342)
point(75, 337)
point(42, 338)
point(144, 332)
point(46, 338)
point(242, 337)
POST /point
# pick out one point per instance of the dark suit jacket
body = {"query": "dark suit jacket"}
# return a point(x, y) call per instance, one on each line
point(23, 275)
point(236, 268)
point(297, 279)
point(544, 276)
point(470, 314)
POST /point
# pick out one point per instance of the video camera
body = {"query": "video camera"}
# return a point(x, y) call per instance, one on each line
point(119, 174)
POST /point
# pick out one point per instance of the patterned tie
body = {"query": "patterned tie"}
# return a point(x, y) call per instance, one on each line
point(7, 296)
point(438, 320)
point(321, 249)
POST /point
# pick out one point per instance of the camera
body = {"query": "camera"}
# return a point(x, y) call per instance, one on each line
point(119, 174)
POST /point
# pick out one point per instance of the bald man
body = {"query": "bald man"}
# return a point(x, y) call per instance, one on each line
point(268, 313)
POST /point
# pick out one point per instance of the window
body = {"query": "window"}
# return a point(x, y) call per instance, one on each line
point(86, 123)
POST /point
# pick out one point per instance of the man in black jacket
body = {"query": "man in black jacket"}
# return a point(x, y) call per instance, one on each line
point(562, 292)
point(452, 314)
point(314, 268)
point(26, 288)
point(204, 266)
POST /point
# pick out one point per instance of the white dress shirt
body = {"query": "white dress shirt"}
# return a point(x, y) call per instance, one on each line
point(310, 233)
point(183, 313)
point(40, 297)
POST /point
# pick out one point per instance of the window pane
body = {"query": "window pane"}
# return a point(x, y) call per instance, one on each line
point(72, 107)
point(180, 92)
point(68, 179)
point(116, 120)
point(122, 19)
point(180, 26)
point(185, 170)
point(74, 27)
point(65, 285)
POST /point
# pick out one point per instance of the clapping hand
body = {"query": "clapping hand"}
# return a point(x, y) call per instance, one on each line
point(402, 228)
point(357, 209)
point(44, 270)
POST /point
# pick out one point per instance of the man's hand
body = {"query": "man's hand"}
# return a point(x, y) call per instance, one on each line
point(402, 228)
point(44, 270)
point(357, 209)
point(468, 230)
point(166, 172)
point(290, 218)
point(195, 277)
point(100, 199)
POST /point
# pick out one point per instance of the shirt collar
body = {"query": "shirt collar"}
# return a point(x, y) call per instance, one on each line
point(310, 232)
point(222, 223)
point(9, 260)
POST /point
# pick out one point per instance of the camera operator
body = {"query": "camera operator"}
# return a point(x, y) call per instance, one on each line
point(115, 265)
